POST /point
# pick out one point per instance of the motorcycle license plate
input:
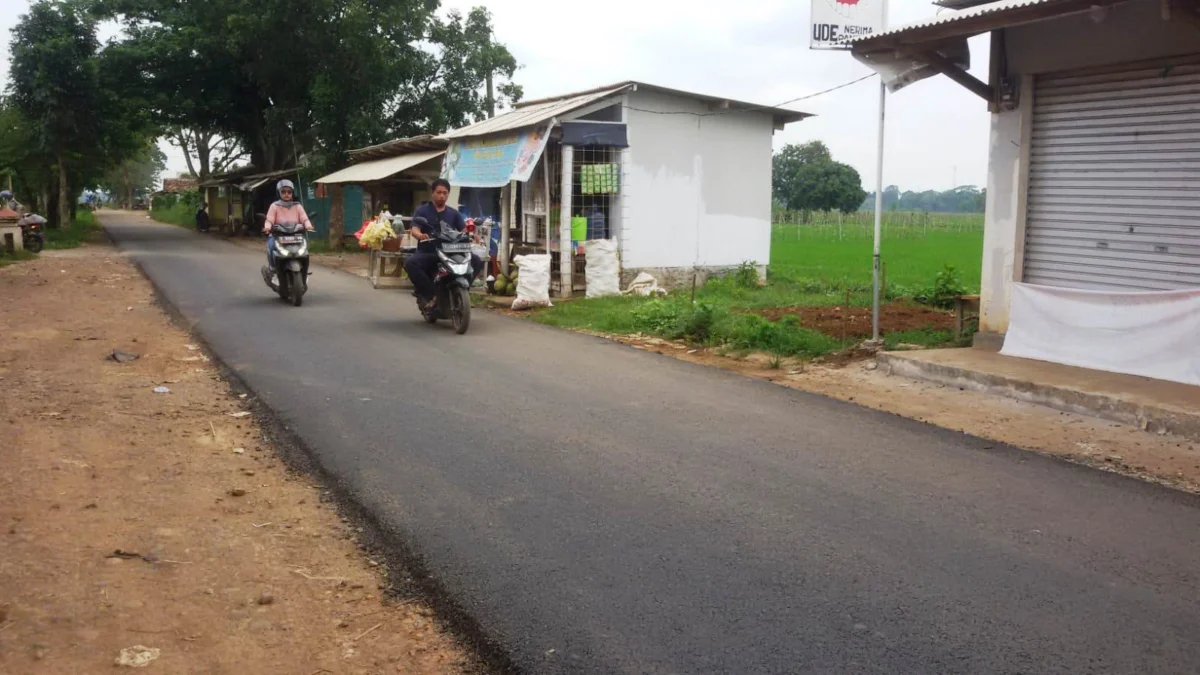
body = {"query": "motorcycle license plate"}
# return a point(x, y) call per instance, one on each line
point(291, 239)
point(456, 248)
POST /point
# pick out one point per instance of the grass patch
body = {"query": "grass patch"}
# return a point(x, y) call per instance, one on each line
point(85, 228)
point(677, 318)
point(321, 246)
point(822, 263)
point(180, 214)
point(840, 257)
point(928, 338)
point(7, 258)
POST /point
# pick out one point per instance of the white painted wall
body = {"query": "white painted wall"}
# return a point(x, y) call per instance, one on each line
point(1131, 32)
point(697, 189)
point(1003, 221)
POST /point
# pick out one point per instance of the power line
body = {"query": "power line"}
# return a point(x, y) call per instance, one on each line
point(755, 108)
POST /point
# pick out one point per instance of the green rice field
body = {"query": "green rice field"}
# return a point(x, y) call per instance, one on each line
point(836, 250)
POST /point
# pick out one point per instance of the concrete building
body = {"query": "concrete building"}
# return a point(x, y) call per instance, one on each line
point(681, 180)
point(1094, 165)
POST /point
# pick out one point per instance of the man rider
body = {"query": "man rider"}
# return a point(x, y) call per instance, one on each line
point(286, 211)
point(422, 264)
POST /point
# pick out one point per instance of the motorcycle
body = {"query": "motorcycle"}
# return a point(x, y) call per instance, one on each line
point(33, 236)
point(290, 277)
point(452, 282)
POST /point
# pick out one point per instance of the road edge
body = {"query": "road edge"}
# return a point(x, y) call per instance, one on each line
point(408, 577)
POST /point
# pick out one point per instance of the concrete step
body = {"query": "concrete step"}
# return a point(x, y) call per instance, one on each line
point(1150, 405)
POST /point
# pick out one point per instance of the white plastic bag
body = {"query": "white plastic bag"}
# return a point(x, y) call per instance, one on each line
point(533, 281)
point(645, 285)
point(603, 268)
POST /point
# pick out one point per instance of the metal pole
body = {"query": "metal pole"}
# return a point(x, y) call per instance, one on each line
point(875, 261)
point(565, 254)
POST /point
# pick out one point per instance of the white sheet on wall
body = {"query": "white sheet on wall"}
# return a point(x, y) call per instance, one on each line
point(1154, 334)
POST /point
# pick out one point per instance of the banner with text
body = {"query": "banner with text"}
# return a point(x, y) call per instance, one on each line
point(836, 20)
point(493, 161)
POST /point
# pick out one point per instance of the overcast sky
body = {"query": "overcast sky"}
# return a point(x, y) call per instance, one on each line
point(754, 50)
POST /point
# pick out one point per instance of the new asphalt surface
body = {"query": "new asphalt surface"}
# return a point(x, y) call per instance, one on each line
point(597, 509)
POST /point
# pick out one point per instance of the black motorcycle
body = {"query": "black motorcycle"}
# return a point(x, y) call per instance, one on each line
point(452, 282)
point(290, 277)
point(33, 232)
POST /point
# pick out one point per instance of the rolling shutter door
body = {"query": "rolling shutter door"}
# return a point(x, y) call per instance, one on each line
point(1114, 181)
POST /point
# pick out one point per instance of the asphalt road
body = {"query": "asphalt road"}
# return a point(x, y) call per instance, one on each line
point(598, 509)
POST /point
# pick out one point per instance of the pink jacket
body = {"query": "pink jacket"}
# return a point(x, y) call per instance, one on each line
point(287, 215)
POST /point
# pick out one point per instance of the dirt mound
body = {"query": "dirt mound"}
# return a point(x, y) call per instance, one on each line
point(855, 322)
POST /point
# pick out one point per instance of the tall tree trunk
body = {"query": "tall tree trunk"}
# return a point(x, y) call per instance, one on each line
point(182, 138)
point(337, 216)
point(204, 153)
point(64, 208)
point(491, 95)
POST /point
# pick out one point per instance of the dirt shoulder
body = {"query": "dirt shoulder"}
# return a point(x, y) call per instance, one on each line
point(1078, 438)
point(131, 518)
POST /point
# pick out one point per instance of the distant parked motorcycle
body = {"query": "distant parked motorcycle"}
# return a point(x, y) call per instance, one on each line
point(33, 232)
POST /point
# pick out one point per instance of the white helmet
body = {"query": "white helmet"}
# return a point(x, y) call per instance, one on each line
point(285, 183)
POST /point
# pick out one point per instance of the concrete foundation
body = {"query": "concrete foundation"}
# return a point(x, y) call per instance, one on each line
point(677, 278)
point(1150, 405)
point(992, 342)
point(10, 237)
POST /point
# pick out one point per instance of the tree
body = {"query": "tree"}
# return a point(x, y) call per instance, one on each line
point(806, 178)
point(457, 78)
point(55, 85)
point(75, 108)
point(212, 152)
point(962, 199)
point(136, 174)
point(352, 72)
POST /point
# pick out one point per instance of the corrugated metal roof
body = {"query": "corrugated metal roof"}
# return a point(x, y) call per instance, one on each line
point(975, 20)
point(378, 169)
point(534, 113)
point(399, 146)
point(540, 111)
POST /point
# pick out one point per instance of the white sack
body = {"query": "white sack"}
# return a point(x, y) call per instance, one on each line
point(1154, 334)
point(533, 281)
point(603, 270)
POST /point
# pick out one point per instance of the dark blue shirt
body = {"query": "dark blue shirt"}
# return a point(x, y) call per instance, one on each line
point(452, 218)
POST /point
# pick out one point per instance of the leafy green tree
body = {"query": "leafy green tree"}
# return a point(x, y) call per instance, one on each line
point(347, 73)
point(806, 178)
point(135, 175)
point(56, 86)
point(74, 109)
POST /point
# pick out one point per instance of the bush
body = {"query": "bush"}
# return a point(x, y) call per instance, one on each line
point(657, 317)
point(177, 209)
point(746, 275)
point(947, 286)
point(785, 337)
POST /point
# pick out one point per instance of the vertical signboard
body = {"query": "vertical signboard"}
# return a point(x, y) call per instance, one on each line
point(834, 21)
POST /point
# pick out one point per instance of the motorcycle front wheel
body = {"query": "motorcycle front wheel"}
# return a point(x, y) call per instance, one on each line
point(296, 288)
point(460, 309)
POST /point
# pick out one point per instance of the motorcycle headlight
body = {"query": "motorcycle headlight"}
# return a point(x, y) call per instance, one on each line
point(282, 250)
point(459, 268)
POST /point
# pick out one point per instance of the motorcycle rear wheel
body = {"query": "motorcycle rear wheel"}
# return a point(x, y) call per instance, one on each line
point(33, 244)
